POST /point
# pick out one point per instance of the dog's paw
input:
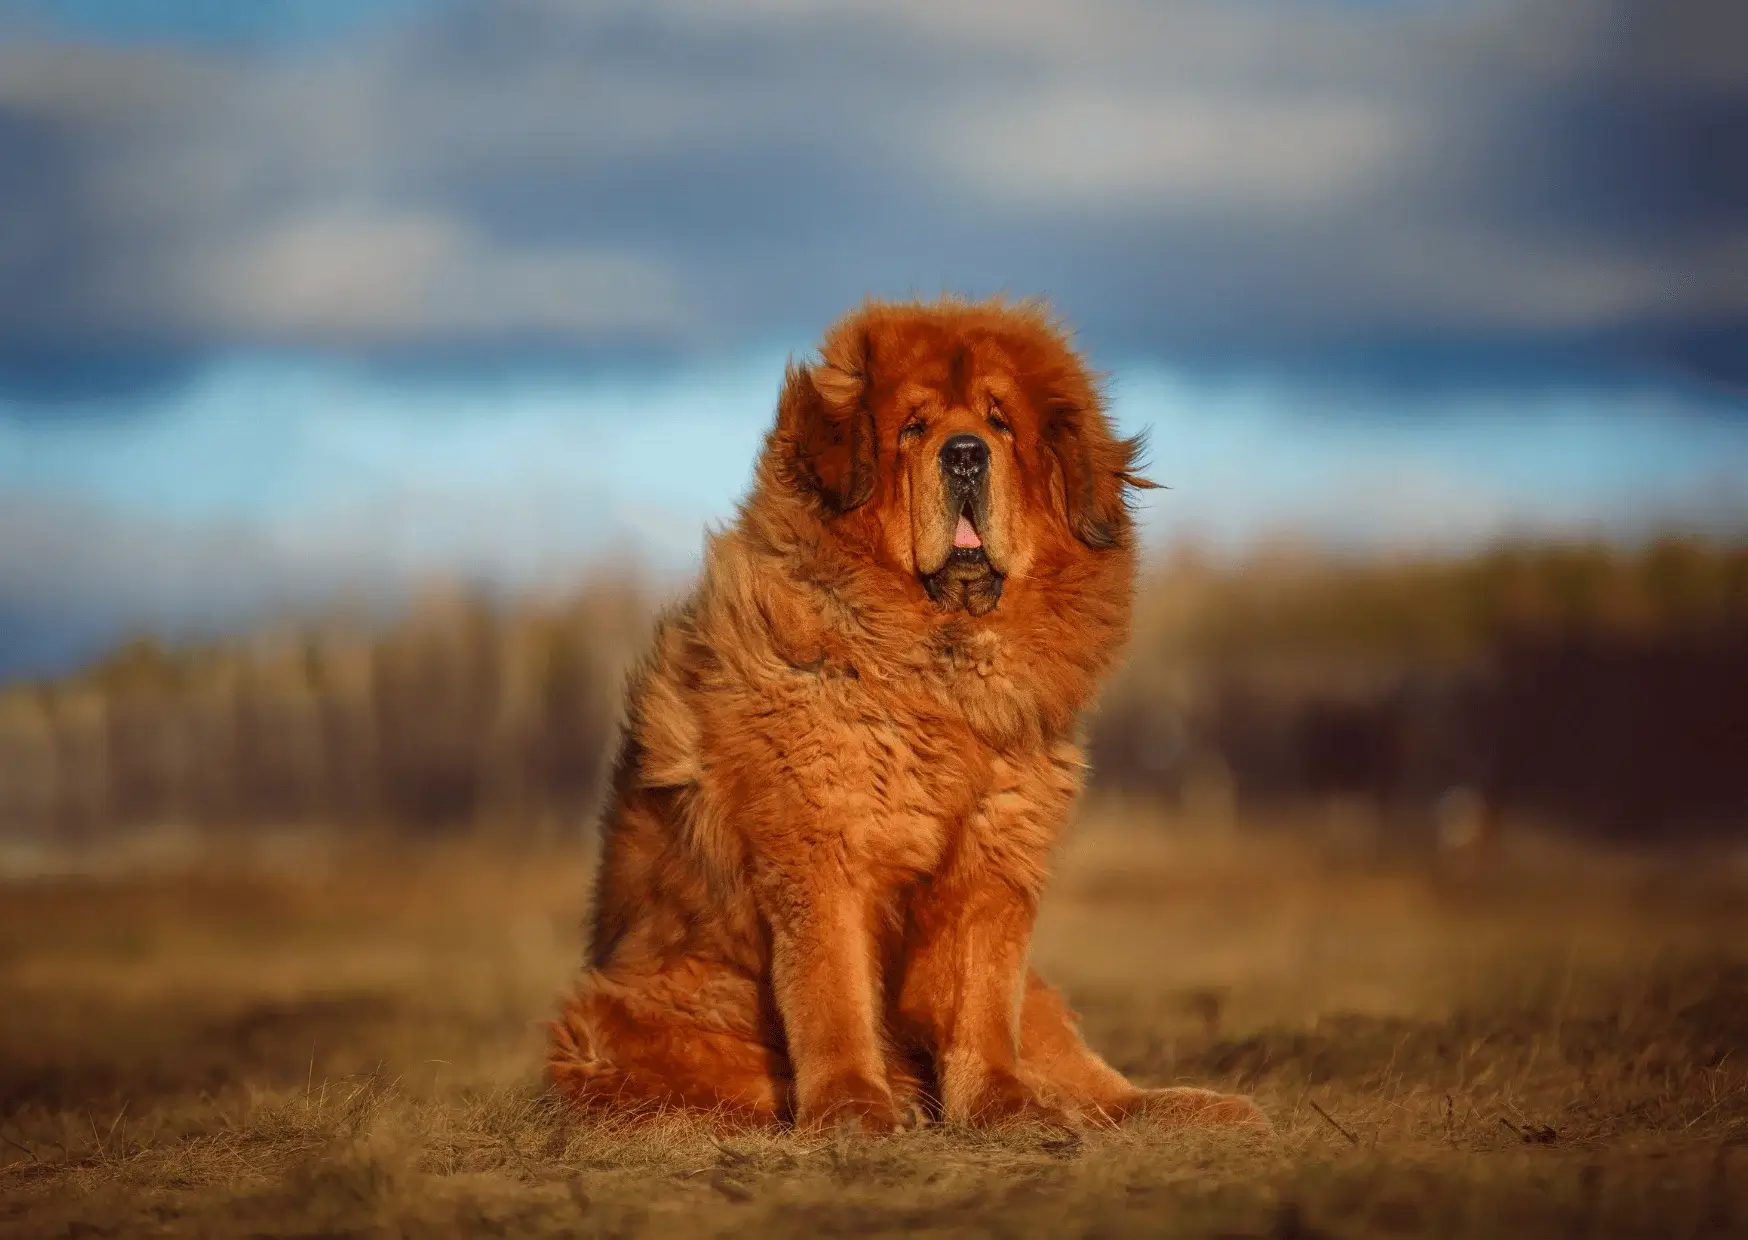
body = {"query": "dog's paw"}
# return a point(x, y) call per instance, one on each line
point(851, 1104)
point(1005, 1099)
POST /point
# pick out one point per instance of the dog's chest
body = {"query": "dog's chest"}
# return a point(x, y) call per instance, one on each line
point(925, 773)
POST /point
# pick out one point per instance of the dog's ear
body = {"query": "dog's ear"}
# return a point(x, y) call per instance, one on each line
point(825, 419)
point(1097, 467)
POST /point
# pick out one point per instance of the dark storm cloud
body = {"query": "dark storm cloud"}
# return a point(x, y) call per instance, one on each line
point(1552, 184)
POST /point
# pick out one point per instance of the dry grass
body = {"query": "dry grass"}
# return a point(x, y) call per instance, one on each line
point(346, 1042)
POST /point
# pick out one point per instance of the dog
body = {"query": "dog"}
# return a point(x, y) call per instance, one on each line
point(847, 757)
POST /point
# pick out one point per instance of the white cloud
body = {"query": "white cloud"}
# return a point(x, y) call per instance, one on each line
point(373, 275)
point(1097, 149)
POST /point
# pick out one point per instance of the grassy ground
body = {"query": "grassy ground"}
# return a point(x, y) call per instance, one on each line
point(345, 1042)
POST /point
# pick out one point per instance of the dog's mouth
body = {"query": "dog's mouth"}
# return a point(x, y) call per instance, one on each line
point(965, 535)
point(967, 580)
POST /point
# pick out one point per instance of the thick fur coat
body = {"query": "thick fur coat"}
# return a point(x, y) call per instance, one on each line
point(847, 758)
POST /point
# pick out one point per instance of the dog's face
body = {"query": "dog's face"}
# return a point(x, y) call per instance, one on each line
point(963, 444)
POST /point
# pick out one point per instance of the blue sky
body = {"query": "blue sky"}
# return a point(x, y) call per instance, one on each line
point(306, 301)
point(268, 484)
point(223, 22)
point(557, 469)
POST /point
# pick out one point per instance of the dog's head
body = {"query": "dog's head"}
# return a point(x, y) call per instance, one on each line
point(962, 443)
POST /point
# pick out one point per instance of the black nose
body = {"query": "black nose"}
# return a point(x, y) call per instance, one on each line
point(965, 457)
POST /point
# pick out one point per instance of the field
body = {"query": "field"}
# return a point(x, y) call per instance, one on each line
point(314, 1038)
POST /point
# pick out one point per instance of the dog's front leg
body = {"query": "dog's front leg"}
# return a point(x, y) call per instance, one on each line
point(965, 975)
point(970, 933)
point(824, 978)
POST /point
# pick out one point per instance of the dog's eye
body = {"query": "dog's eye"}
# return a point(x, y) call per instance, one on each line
point(996, 420)
point(911, 429)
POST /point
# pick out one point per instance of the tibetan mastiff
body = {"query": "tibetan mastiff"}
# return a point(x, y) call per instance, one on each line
point(847, 757)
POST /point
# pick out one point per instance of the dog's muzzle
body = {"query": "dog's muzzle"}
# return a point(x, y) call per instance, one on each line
point(967, 579)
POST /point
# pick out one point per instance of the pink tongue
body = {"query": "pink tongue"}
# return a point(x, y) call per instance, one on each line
point(966, 534)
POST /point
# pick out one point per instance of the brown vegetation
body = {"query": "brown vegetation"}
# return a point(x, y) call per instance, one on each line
point(335, 1041)
point(462, 711)
point(1601, 687)
point(1553, 676)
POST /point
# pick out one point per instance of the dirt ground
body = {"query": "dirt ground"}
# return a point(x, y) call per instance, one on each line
point(306, 1040)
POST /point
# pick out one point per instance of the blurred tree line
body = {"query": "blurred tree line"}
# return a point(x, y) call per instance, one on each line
point(1604, 685)
point(461, 711)
point(1601, 686)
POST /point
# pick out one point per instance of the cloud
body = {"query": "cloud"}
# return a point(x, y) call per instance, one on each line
point(1249, 183)
point(1101, 150)
point(75, 578)
point(364, 277)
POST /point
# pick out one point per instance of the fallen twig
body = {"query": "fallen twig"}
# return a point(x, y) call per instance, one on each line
point(1351, 1139)
point(729, 1156)
point(25, 1149)
point(1531, 1134)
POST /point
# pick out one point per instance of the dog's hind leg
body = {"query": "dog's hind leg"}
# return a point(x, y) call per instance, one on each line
point(1058, 1063)
point(623, 1048)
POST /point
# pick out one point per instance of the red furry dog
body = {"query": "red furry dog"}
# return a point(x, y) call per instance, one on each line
point(847, 757)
